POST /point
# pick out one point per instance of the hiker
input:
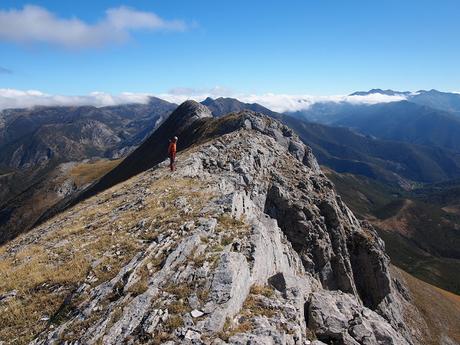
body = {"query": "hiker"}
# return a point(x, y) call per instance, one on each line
point(172, 153)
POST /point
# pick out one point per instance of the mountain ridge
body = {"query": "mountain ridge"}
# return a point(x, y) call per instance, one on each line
point(251, 182)
point(246, 241)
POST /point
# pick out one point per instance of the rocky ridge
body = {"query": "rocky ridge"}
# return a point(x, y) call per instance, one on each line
point(246, 243)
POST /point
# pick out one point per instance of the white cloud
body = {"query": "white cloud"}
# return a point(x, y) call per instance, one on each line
point(284, 103)
point(36, 24)
point(276, 102)
point(12, 98)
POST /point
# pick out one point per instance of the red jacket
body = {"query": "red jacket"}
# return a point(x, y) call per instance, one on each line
point(172, 149)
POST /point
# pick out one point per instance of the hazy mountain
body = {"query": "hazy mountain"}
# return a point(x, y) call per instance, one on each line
point(34, 144)
point(327, 113)
point(32, 136)
point(439, 100)
point(447, 101)
point(381, 92)
point(405, 121)
point(222, 106)
point(396, 162)
point(346, 150)
point(401, 121)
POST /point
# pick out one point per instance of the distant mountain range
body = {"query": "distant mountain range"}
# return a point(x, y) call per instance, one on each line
point(32, 136)
point(430, 118)
point(35, 143)
point(398, 142)
point(381, 92)
point(380, 155)
point(346, 150)
point(405, 121)
point(447, 101)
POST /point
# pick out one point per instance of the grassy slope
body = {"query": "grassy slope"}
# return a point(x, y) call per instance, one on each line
point(418, 236)
point(440, 309)
point(85, 245)
point(439, 271)
point(27, 207)
point(85, 173)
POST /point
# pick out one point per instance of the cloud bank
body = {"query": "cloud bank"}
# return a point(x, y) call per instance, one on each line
point(35, 24)
point(277, 102)
point(291, 103)
point(12, 98)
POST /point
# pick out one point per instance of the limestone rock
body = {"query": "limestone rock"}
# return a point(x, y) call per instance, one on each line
point(250, 245)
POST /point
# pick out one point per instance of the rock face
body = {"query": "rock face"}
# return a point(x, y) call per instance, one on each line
point(246, 243)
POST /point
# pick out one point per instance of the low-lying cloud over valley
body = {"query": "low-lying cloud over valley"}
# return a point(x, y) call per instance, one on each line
point(13, 98)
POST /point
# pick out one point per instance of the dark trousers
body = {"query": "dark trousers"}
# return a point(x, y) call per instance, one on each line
point(172, 162)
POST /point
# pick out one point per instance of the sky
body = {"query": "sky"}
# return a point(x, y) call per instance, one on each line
point(121, 50)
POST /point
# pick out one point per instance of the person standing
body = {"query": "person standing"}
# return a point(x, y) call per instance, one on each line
point(172, 153)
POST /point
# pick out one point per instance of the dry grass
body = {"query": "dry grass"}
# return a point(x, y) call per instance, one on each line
point(141, 285)
point(174, 322)
point(216, 248)
point(161, 338)
point(439, 308)
point(263, 290)
point(62, 257)
point(230, 228)
point(230, 330)
point(85, 173)
point(204, 239)
point(227, 222)
point(199, 260)
point(34, 266)
point(178, 308)
point(255, 307)
point(203, 295)
point(26, 312)
point(44, 276)
point(179, 290)
point(226, 240)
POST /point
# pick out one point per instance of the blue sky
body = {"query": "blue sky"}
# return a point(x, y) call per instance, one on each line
point(316, 47)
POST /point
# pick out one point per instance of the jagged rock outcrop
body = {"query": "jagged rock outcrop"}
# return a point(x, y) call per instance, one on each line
point(246, 243)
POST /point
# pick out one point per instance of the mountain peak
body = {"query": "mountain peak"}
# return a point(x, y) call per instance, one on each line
point(207, 101)
point(224, 105)
point(190, 111)
point(432, 91)
point(388, 92)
